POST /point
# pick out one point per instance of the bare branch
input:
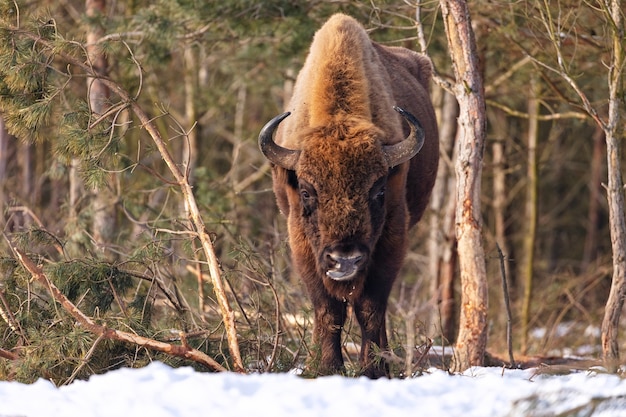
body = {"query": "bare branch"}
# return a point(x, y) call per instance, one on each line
point(542, 117)
point(7, 354)
point(443, 83)
point(507, 75)
point(583, 97)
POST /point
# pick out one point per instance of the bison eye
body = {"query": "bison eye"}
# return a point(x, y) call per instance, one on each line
point(308, 196)
point(377, 193)
point(380, 194)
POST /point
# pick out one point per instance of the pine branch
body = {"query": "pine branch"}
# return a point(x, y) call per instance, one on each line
point(180, 178)
point(183, 351)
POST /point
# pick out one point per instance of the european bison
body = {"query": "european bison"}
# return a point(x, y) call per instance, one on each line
point(349, 178)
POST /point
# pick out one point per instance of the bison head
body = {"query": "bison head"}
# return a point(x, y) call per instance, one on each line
point(338, 197)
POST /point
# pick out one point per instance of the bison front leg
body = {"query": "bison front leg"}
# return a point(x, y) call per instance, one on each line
point(370, 313)
point(330, 315)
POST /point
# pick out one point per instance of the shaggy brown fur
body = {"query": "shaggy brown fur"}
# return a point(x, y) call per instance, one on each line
point(342, 198)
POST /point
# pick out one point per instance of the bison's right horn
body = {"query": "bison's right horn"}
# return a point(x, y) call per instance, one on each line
point(409, 147)
point(276, 154)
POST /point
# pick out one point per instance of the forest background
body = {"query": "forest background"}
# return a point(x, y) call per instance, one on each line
point(92, 203)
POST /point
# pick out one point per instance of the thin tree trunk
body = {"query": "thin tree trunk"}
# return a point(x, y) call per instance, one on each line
point(25, 162)
point(190, 148)
point(472, 338)
point(25, 158)
point(447, 276)
point(500, 202)
point(4, 148)
point(442, 242)
point(615, 189)
point(528, 251)
point(595, 194)
point(103, 205)
point(76, 190)
point(189, 155)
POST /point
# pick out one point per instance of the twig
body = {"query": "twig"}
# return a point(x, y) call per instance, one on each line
point(9, 318)
point(437, 78)
point(85, 360)
point(277, 334)
point(507, 303)
point(103, 331)
point(426, 349)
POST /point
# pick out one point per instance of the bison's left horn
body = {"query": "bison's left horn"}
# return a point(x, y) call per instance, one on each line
point(276, 154)
point(409, 147)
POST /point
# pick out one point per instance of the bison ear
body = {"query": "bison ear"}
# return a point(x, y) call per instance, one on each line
point(275, 153)
point(409, 147)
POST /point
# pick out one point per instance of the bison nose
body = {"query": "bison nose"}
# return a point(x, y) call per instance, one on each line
point(342, 265)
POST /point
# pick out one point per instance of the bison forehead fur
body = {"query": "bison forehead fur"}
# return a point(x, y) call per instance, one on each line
point(347, 176)
point(347, 164)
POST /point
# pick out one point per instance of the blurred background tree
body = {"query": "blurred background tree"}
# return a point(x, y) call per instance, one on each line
point(210, 74)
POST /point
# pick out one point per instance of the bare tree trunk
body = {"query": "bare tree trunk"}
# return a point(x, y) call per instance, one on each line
point(25, 160)
point(25, 157)
point(447, 276)
point(104, 200)
point(190, 148)
point(595, 194)
point(189, 155)
point(528, 251)
point(468, 89)
point(500, 202)
point(76, 187)
point(615, 187)
point(4, 148)
point(442, 242)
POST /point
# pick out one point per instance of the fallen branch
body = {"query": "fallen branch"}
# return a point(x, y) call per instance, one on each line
point(103, 331)
point(7, 354)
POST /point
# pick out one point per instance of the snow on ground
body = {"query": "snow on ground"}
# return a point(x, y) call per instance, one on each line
point(160, 391)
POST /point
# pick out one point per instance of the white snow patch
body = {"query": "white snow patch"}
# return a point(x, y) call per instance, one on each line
point(160, 391)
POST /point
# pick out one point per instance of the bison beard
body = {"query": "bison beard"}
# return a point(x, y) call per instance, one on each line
point(351, 179)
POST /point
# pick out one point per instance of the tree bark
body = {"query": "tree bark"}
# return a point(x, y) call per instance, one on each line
point(499, 125)
point(190, 147)
point(442, 242)
point(595, 195)
point(528, 251)
point(103, 204)
point(615, 188)
point(468, 89)
point(4, 148)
